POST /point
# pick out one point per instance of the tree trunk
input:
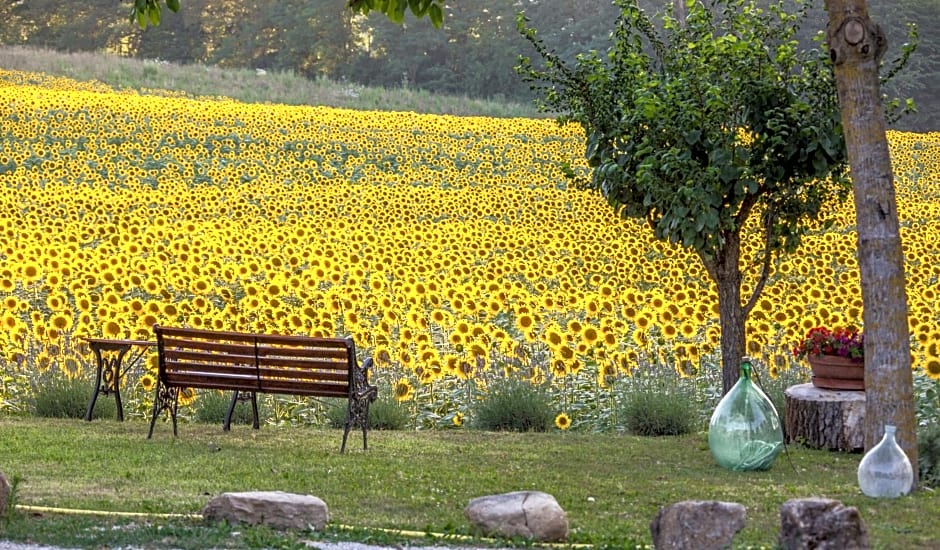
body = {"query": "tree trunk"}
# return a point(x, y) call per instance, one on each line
point(824, 419)
point(856, 45)
point(725, 271)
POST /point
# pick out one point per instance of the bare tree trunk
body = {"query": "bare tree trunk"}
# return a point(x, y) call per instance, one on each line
point(856, 45)
point(725, 271)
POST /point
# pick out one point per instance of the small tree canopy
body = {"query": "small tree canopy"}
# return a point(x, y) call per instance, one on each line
point(704, 124)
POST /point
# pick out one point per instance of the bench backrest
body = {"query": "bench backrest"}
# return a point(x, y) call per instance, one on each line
point(271, 363)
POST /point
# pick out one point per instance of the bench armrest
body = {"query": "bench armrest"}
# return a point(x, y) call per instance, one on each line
point(362, 389)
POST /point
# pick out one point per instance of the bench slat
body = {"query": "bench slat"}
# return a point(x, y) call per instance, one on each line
point(335, 353)
point(298, 362)
point(244, 337)
point(183, 357)
point(209, 346)
point(312, 389)
point(197, 380)
point(301, 376)
point(311, 363)
point(218, 368)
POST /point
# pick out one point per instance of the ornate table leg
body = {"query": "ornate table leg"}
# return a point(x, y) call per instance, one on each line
point(108, 378)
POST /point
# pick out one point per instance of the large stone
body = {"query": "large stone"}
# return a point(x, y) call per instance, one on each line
point(4, 494)
point(528, 514)
point(821, 524)
point(274, 508)
point(697, 525)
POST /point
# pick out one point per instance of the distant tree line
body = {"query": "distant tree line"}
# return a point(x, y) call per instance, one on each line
point(473, 54)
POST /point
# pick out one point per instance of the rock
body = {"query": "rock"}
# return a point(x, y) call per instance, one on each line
point(697, 524)
point(4, 494)
point(821, 524)
point(274, 508)
point(528, 514)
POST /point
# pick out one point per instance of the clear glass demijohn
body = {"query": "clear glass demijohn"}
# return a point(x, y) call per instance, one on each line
point(885, 470)
point(745, 432)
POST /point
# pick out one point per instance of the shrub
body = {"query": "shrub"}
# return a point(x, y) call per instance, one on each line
point(661, 399)
point(212, 406)
point(928, 455)
point(384, 414)
point(654, 412)
point(513, 405)
point(60, 397)
point(926, 399)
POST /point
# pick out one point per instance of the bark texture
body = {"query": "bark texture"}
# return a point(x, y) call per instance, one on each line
point(856, 45)
point(725, 271)
point(823, 419)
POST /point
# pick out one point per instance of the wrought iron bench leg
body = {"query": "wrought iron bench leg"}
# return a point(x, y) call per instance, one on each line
point(242, 395)
point(165, 399)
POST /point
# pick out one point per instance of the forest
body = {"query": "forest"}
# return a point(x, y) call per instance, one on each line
point(474, 54)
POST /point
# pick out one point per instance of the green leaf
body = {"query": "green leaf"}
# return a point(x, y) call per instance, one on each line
point(729, 173)
point(396, 10)
point(419, 7)
point(174, 5)
point(436, 14)
point(154, 14)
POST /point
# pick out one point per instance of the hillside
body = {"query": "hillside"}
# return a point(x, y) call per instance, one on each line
point(250, 86)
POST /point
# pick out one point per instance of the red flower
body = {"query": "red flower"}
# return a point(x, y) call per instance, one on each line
point(844, 342)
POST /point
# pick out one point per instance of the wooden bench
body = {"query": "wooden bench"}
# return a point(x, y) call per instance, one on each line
point(251, 363)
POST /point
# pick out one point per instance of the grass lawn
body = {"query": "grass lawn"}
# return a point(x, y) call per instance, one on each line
point(611, 486)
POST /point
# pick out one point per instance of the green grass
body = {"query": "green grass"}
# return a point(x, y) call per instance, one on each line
point(611, 486)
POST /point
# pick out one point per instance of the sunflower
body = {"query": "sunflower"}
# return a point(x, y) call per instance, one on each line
point(562, 421)
point(112, 329)
point(590, 335)
point(30, 272)
point(604, 373)
point(381, 355)
point(465, 369)
point(525, 322)
point(559, 368)
point(43, 361)
point(403, 390)
point(457, 419)
point(148, 382)
point(11, 323)
point(932, 368)
point(7, 283)
point(186, 396)
point(71, 368)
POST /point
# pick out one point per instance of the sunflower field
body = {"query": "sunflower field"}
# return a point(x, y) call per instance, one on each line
point(450, 248)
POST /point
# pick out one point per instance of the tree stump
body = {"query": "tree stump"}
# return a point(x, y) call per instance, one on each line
point(825, 419)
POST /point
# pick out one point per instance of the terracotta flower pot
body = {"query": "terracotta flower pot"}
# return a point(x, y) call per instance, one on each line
point(834, 372)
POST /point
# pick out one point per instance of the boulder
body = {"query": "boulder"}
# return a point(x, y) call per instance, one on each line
point(4, 494)
point(821, 524)
point(274, 508)
point(528, 514)
point(697, 524)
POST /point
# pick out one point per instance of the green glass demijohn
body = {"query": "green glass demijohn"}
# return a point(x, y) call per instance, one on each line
point(744, 432)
